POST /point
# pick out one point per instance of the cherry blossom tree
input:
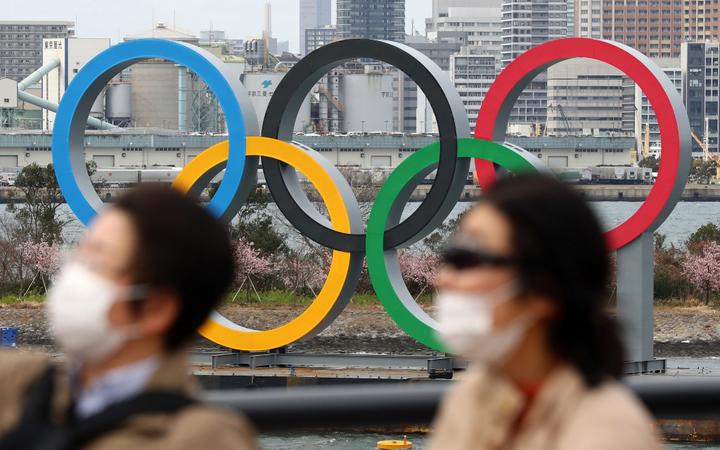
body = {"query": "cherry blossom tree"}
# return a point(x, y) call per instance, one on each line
point(42, 258)
point(702, 269)
point(419, 269)
point(249, 264)
point(303, 270)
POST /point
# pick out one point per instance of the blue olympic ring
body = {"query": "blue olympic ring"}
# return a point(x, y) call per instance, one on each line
point(69, 129)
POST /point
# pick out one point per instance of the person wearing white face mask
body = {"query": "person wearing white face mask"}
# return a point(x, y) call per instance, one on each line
point(147, 273)
point(520, 295)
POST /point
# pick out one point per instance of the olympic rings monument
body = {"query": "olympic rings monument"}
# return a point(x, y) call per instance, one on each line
point(386, 233)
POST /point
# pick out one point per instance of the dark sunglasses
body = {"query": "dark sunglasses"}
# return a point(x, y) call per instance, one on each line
point(461, 256)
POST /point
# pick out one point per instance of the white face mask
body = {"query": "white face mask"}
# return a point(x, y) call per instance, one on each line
point(466, 324)
point(77, 309)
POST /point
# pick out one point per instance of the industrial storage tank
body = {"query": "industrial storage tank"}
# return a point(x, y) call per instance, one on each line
point(119, 102)
point(98, 107)
point(261, 87)
point(368, 100)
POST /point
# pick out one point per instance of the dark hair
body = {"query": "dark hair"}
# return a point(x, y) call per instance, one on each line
point(182, 248)
point(562, 254)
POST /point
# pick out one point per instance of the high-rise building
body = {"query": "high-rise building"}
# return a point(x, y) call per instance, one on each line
point(570, 17)
point(529, 23)
point(526, 24)
point(701, 21)
point(585, 97)
point(588, 18)
point(474, 29)
point(406, 104)
point(317, 37)
point(700, 63)
point(654, 28)
point(371, 19)
point(644, 114)
point(472, 75)
point(314, 14)
point(480, 26)
point(21, 44)
point(441, 9)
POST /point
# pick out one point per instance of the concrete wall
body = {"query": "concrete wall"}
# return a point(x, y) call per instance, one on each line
point(147, 149)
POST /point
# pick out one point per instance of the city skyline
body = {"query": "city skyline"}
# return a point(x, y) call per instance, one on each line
point(137, 16)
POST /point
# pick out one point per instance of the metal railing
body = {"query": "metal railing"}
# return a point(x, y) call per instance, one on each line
point(415, 403)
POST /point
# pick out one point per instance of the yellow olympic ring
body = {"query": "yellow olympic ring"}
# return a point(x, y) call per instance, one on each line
point(225, 332)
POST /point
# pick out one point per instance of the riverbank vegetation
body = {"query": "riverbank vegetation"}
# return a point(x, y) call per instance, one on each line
point(272, 271)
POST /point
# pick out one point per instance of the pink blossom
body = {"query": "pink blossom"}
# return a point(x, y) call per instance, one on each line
point(41, 257)
point(702, 269)
point(301, 270)
point(419, 267)
point(249, 262)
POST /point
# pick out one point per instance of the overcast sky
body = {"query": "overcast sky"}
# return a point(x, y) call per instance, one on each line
point(240, 19)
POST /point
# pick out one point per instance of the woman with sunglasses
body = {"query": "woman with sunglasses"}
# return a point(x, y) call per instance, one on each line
point(521, 296)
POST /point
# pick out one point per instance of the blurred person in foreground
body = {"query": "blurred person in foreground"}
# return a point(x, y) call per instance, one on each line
point(521, 296)
point(123, 310)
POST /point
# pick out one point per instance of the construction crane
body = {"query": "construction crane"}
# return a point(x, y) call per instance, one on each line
point(708, 155)
point(646, 142)
point(563, 117)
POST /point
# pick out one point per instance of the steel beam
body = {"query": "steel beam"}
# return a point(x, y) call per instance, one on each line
point(50, 106)
point(416, 403)
point(38, 74)
point(328, 361)
point(635, 297)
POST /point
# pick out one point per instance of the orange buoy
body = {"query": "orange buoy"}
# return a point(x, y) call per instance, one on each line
point(394, 444)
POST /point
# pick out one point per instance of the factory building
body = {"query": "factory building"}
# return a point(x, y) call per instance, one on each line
point(165, 95)
point(261, 87)
point(69, 55)
point(139, 148)
point(370, 99)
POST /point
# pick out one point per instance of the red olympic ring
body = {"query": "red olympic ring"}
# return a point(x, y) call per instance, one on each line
point(672, 120)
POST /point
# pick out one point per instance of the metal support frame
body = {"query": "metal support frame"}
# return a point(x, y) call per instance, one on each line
point(38, 74)
point(635, 298)
point(50, 106)
point(416, 403)
point(437, 364)
point(45, 104)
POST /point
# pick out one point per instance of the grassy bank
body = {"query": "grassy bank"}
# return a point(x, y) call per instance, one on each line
point(272, 297)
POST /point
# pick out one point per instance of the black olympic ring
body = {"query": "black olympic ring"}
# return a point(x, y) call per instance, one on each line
point(452, 121)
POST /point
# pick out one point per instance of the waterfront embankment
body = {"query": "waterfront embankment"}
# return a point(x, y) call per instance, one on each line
point(680, 331)
point(592, 192)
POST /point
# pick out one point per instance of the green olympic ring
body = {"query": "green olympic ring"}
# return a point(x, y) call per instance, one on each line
point(383, 266)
